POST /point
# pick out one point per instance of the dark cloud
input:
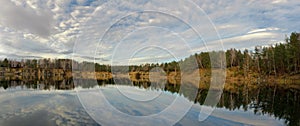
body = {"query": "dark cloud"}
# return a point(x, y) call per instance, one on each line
point(90, 58)
point(25, 19)
point(15, 56)
point(24, 45)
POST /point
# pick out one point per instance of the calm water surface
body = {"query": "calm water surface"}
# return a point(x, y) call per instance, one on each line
point(56, 103)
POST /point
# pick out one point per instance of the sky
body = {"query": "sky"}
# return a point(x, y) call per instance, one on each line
point(140, 31)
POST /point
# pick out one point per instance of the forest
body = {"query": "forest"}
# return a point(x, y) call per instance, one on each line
point(278, 59)
point(273, 60)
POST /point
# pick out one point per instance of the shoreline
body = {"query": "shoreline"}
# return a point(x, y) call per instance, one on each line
point(232, 76)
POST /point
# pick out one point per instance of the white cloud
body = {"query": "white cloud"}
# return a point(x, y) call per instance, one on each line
point(263, 30)
point(279, 1)
point(248, 40)
point(25, 18)
point(52, 28)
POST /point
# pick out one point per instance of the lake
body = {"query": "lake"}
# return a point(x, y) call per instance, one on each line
point(65, 103)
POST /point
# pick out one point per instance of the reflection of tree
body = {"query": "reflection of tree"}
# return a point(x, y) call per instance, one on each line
point(66, 84)
point(281, 102)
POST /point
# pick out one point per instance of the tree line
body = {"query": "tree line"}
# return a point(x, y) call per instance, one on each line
point(278, 59)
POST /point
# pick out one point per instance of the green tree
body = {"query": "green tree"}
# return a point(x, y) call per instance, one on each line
point(5, 63)
point(294, 45)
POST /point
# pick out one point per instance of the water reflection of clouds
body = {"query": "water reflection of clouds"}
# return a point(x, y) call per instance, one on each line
point(141, 108)
point(63, 108)
point(111, 104)
point(137, 109)
point(247, 117)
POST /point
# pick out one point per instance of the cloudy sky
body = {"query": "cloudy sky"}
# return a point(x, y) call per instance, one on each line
point(138, 31)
